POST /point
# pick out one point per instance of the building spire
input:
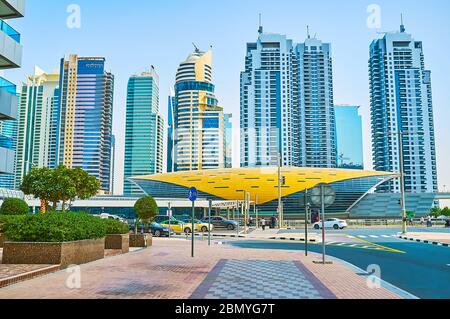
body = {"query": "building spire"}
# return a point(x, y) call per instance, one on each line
point(402, 26)
point(307, 31)
point(261, 29)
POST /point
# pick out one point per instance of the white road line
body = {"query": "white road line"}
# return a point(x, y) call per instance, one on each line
point(331, 243)
point(386, 236)
point(365, 247)
point(351, 236)
point(361, 236)
point(353, 245)
point(341, 244)
point(373, 236)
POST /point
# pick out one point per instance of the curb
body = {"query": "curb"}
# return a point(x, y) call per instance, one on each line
point(212, 235)
point(28, 275)
point(430, 242)
point(292, 239)
point(394, 289)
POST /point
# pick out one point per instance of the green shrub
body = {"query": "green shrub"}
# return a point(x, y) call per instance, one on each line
point(14, 206)
point(146, 208)
point(54, 227)
point(115, 227)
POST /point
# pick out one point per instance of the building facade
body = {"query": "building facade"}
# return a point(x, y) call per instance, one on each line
point(144, 130)
point(199, 141)
point(349, 137)
point(401, 105)
point(37, 124)
point(170, 133)
point(228, 140)
point(287, 103)
point(10, 58)
point(86, 114)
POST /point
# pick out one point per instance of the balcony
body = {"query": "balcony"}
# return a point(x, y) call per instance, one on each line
point(12, 9)
point(10, 48)
point(8, 100)
point(6, 161)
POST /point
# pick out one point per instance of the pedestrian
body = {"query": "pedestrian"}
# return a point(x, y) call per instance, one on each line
point(422, 221)
point(273, 221)
point(263, 224)
point(429, 222)
point(250, 221)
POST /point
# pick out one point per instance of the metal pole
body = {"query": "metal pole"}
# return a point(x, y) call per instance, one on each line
point(170, 216)
point(193, 229)
point(209, 222)
point(256, 211)
point(402, 183)
point(306, 222)
point(322, 194)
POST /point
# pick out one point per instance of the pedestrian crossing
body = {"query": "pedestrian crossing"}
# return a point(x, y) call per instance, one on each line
point(371, 236)
point(353, 245)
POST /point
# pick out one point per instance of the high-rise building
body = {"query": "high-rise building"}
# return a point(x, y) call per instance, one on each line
point(37, 124)
point(86, 114)
point(170, 132)
point(317, 126)
point(228, 140)
point(10, 58)
point(287, 103)
point(199, 141)
point(349, 136)
point(144, 130)
point(401, 105)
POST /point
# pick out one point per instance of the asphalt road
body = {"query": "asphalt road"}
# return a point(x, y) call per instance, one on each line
point(420, 269)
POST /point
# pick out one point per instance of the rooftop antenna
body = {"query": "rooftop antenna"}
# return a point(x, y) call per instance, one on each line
point(261, 29)
point(307, 31)
point(197, 50)
point(402, 26)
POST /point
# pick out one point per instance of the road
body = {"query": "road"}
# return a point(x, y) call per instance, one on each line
point(420, 269)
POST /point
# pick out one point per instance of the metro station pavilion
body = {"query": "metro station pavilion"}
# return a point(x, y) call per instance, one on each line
point(351, 186)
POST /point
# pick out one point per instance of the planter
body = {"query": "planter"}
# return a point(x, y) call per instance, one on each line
point(118, 242)
point(141, 240)
point(2, 240)
point(64, 254)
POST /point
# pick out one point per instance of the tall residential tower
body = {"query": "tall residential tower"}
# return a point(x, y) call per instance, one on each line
point(144, 130)
point(401, 105)
point(86, 111)
point(287, 103)
point(199, 141)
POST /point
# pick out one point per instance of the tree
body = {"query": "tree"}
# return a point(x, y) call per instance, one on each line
point(146, 209)
point(445, 212)
point(39, 183)
point(14, 206)
point(436, 212)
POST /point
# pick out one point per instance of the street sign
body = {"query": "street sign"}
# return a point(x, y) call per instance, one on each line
point(315, 195)
point(193, 194)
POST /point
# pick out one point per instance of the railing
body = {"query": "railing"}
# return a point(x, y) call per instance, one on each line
point(9, 31)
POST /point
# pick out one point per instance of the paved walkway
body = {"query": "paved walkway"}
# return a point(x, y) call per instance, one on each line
point(431, 236)
point(167, 271)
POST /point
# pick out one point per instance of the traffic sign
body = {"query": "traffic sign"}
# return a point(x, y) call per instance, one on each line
point(193, 194)
point(315, 195)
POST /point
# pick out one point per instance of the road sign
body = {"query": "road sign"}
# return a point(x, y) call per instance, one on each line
point(193, 194)
point(315, 195)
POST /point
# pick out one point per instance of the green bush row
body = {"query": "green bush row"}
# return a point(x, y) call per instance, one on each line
point(14, 206)
point(115, 227)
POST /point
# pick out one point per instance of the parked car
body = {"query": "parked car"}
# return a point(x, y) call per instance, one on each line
point(220, 222)
point(162, 218)
point(334, 223)
point(177, 226)
point(199, 225)
point(159, 230)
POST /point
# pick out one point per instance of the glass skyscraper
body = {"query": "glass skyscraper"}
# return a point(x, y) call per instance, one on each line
point(144, 130)
point(401, 103)
point(199, 141)
point(349, 137)
point(37, 124)
point(287, 103)
point(86, 114)
point(170, 132)
point(228, 140)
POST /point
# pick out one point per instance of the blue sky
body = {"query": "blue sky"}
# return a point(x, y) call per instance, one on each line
point(136, 34)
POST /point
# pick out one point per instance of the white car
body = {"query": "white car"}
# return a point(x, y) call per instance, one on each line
point(334, 223)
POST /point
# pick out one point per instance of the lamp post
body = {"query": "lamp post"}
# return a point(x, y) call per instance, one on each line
point(280, 203)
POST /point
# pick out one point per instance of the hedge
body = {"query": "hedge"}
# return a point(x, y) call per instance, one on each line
point(115, 227)
point(54, 227)
point(14, 206)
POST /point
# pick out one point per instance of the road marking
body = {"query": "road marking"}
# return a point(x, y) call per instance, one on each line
point(351, 236)
point(362, 236)
point(386, 236)
point(373, 236)
point(380, 246)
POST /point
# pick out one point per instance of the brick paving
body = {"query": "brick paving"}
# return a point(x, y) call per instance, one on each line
point(167, 271)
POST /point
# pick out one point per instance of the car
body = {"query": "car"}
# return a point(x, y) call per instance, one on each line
point(220, 222)
point(177, 226)
point(159, 230)
point(199, 225)
point(334, 223)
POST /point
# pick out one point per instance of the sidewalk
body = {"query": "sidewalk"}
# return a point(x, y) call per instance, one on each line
point(166, 271)
point(443, 238)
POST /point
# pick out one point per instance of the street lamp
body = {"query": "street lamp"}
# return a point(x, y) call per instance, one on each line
point(402, 172)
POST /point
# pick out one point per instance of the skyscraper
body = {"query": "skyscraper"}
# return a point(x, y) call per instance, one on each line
point(349, 136)
point(199, 141)
point(228, 140)
point(37, 124)
point(144, 130)
point(170, 132)
point(86, 110)
point(287, 103)
point(401, 104)
point(10, 58)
